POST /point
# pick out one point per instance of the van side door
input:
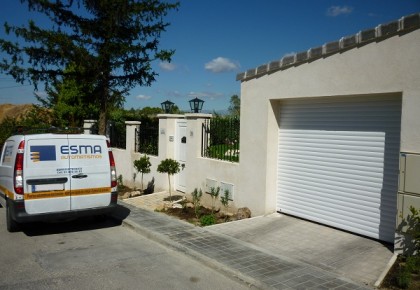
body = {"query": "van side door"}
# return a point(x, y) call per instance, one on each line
point(90, 178)
point(46, 174)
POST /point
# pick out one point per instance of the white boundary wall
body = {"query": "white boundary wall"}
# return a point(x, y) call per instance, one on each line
point(197, 169)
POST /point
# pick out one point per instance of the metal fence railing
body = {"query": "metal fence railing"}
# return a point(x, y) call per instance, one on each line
point(147, 138)
point(116, 135)
point(220, 139)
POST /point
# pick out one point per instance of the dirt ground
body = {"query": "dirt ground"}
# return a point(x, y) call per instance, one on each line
point(185, 211)
point(390, 281)
point(188, 214)
point(14, 111)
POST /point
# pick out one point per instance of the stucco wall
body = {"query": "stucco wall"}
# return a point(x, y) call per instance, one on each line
point(197, 168)
point(390, 66)
point(124, 165)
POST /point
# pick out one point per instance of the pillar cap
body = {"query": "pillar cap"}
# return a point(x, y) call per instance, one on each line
point(170, 116)
point(132, 122)
point(198, 116)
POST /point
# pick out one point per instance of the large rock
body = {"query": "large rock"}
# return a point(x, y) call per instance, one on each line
point(243, 213)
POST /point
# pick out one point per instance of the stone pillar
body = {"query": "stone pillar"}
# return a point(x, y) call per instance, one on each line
point(194, 136)
point(130, 135)
point(87, 126)
point(194, 131)
point(167, 127)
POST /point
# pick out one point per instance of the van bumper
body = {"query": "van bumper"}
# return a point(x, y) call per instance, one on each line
point(19, 214)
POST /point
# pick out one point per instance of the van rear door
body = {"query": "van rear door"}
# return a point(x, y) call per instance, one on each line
point(46, 174)
point(90, 171)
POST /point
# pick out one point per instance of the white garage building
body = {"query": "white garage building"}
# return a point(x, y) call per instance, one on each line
point(323, 131)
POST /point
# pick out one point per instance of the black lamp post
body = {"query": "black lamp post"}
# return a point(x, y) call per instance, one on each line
point(196, 105)
point(167, 106)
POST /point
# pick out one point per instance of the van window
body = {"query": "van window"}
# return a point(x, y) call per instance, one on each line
point(6, 154)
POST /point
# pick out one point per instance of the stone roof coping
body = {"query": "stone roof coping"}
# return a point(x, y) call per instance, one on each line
point(404, 25)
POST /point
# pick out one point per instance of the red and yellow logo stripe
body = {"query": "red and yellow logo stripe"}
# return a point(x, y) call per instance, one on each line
point(8, 193)
point(66, 193)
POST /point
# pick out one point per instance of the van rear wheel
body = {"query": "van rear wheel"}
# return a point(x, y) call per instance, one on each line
point(12, 225)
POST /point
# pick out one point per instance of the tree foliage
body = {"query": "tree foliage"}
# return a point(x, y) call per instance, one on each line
point(224, 130)
point(70, 100)
point(142, 165)
point(148, 111)
point(119, 116)
point(114, 41)
point(36, 120)
point(235, 106)
point(170, 167)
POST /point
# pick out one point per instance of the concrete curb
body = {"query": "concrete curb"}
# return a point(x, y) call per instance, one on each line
point(386, 270)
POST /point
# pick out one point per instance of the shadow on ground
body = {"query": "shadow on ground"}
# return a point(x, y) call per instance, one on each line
point(75, 225)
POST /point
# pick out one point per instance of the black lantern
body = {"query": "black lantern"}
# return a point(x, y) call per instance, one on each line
point(167, 106)
point(196, 105)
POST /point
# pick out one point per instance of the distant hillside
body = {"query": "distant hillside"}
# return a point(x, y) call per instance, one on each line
point(14, 111)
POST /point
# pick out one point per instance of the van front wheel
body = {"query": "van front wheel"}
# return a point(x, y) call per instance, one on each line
point(12, 225)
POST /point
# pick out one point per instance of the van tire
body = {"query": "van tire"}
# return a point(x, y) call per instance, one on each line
point(12, 225)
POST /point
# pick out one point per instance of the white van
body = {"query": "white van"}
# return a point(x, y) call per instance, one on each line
point(54, 176)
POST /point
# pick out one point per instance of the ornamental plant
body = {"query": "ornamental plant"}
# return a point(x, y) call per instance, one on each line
point(214, 192)
point(411, 263)
point(196, 200)
point(170, 167)
point(224, 199)
point(413, 222)
point(142, 165)
point(207, 220)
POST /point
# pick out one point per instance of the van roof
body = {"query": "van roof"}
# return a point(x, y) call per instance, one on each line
point(21, 130)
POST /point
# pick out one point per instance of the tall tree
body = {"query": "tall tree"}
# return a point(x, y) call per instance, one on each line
point(70, 100)
point(235, 106)
point(115, 42)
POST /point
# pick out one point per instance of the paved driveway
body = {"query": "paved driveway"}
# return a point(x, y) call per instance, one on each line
point(358, 258)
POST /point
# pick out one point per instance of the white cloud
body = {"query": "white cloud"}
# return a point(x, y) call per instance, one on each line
point(174, 94)
point(197, 95)
point(167, 66)
point(143, 97)
point(334, 11)
point(221, 64)
point(202, 95)
point(289, 54)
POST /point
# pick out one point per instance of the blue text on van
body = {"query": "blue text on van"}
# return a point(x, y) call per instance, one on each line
point(81, 149)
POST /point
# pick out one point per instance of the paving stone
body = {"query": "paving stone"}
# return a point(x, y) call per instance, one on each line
point(359, 258)
point(281, 286)
point(269, 265)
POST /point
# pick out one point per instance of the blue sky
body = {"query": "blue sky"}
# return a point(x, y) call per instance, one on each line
point(216, 39)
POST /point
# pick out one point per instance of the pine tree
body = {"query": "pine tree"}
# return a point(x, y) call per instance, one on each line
point(115, 42)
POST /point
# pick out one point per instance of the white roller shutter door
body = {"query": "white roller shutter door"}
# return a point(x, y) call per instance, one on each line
point(338, 162)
